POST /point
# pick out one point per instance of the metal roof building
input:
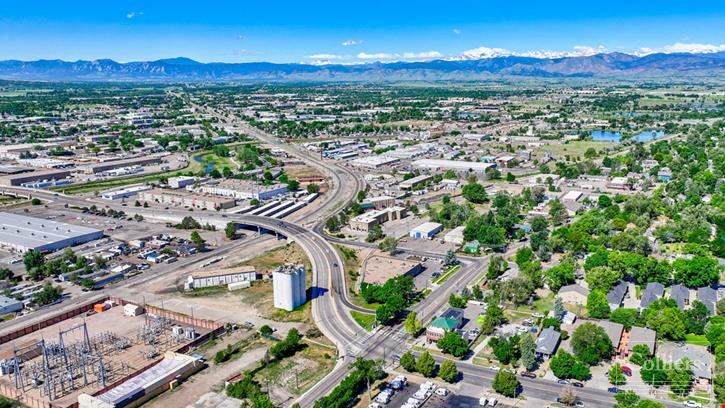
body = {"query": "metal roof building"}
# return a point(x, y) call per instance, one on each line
point(21, 233)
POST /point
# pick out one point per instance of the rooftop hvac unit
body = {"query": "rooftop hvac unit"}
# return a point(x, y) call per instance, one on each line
point(177, 330)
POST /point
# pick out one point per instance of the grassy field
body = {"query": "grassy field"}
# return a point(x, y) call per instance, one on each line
point(697, 340)
point(352, 263)
point(365, 321)
point(573, 149)
point(218, 161)
point(296, 374)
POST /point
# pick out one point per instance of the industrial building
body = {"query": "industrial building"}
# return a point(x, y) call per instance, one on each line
point(380, 202)
point(455, 165)
point(415, 181)
point(380, 268)
point(186, 199)
point(181, 181)
point(221, 277)
point(117, 164)
point(124, 192)
point(9, 305)
point(45, 175)
point(366, 221)
point(141, 388)
point(374, 162)
point(455, 236)
point(290, 287)
point(426, 230)
point(243, 190)
point(21, 233)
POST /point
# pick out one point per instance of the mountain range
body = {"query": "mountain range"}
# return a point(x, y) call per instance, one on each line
point(186, 70)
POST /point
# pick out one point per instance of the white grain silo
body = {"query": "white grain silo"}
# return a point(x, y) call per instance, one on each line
point(289, 286)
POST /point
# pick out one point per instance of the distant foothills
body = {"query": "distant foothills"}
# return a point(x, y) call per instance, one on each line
point(183, 69)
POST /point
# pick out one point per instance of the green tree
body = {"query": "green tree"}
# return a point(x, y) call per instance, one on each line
point(616, 375)
point(681, 377)
point(33, 259)
point(293, 185)
point(580, 371)
point(640, 354)
point(313, 188)
point(603, 278)
point(426, 365)
point(407, 361)
point(696, 317)
point(696, 272)
point(389, 244)
point(453, 343)
point(36, 201)
point(197, 240)
point(375, 233)
point(474, 193)
point(230, 231)
point(448, 371)
point(506, 383)
point(597, 304)
point(653, 372)
point(527, 347)
point(625, 316)
point(558, 307)
point(560, 275)
point(561, 364)
point(557, 212)
point(450, 259)
point(591, 344)
point(412, 325)
point(47, 295)
point(510, 177)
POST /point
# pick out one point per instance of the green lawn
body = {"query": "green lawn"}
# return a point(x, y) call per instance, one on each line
point(446, 275)
point(365, 320)
point(697, 340)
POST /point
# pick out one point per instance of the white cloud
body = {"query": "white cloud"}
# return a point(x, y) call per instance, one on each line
point(692, 48)
point(326, 56)
point(132, 14)
point(457, 31)
point(348, 43)
point(425, 55)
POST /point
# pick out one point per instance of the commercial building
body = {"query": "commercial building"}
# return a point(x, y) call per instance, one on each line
point(221, 277)
point(21, 233)
point(426, 230)
point(374, 162)
point(243, 190)
point(380, 202)
point(366, 221)
point(124, 192)
point(34, 177)
point(186, 199)
point(117, 164)
point(618, 183)
point(415, 181)
point(149, 383)
point(289, 286)
point(9, 305)
point(455, 236)
point(450, 320)
point(455, 165)
point(379, 269)
point(181, 181)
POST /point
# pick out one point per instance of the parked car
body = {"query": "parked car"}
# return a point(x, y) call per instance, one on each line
point(692, 404)
point(483, 401)
point(563, 382)
point(528, 374)
point(537, 315)
point(579, 404)
point(375, 405)
point(442, 392)
point(577, 384)
point(627, 371)
point(492, 402)
point(613, 390)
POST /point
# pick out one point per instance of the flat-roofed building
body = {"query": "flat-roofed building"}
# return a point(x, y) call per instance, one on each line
point(117, 164)
point(366, 221)
point(36, 176)
point(374, 162)
point(243, 190)
point(381, 202)
point(455, 165)
point(415, 181)
point(124, 192)
point(455, 236)
point(186, 199)
point(21, 233)
point(426, 230)
point(221, 277)
point(181, 181)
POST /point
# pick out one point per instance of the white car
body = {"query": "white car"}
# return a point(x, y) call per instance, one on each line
point(692, 404)
point(383, 397)
point(492, 402)
point(537, 315)
point(495, 368)
point(483, 401)
point(442, 392)
point(375, 405)
point(413, 402)
point(422, 394)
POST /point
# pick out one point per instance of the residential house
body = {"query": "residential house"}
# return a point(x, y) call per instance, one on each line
point(614, 332)
point(652, 292)
point(640, 335)
point(574, 294)
point(708, 296)
point(681, 295)
point(702, 363)
point(615, 297)
point(451, 319)
point(547, 342)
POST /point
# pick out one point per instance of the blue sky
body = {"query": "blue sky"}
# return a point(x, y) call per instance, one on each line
point(352, 31)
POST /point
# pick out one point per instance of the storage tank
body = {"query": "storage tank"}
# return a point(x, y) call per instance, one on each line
point(288, 282)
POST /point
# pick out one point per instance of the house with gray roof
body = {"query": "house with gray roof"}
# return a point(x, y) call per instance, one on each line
point(641, 335)
point(708, 296)
point(614, 332)
point(615, 297)
point(701, 359)
point(652, 292)
point(681, 295)
point(547, 342)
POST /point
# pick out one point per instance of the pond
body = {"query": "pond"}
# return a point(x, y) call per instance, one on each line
point(606, 136)
point(648, 135)
point(209, 165)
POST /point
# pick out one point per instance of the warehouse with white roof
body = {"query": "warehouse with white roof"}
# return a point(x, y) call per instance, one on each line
point(20, 233)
